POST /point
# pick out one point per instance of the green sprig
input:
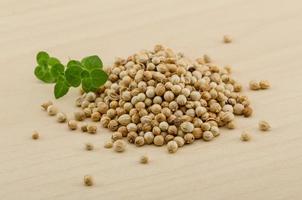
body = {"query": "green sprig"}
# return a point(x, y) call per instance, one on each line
point(88, 72)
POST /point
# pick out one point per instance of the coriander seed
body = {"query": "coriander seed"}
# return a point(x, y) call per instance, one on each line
point(159, 140)
point(172, 147)
point(208, 136)
point(91, 128)
point(88, 146)
point(245, 137)
point(264, 125)
point(119, 146)
point(46, 105)
point(144, 159)
point(227, 39)
point(72, 124)
point(264, 84)
point(254, 85)
point(61, 117)
point(108, 144)
point(52, 110)
point(88, 181)
point(35, 135)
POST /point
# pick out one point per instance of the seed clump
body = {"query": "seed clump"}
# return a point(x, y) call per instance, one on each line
point(162, 97)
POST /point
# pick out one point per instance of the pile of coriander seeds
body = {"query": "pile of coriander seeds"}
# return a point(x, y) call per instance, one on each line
point(161, 97)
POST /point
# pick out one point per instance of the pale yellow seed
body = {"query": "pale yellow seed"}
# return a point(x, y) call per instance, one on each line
point(144, 159)
point(35, 135)
point(227, 39)
point(88, 181)
point(88, 146)
point(245, 137)
point(119, 146)
point(264, 126)
point(254, 85)
point(108, 144)
point(264, 84)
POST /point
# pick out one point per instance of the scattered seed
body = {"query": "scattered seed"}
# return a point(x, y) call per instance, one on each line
point(46, 105)
point(35, 135)
point(88, 181)
point(91, 128)
point(227, 39)
point(144, 159)
point(172, 147)
point(264, 126)
point(254, 85)
point(119, 146)
point(52, 110)
point(61, 117)
point(264, 84)
point(89, 147)
point(245, 137)
point(72, 124)
point(108, 144)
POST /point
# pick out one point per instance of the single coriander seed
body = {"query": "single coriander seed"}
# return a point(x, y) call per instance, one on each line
point(264, 84)
point(227, 39)
point(46, 105)
point(119, 146)
point(61, 117)
point(108, 144)
point(88, 181)
point(35, 135)
point(264, 125)
point(254, 85)
point(172, 147)
point(52, 110)
point(91, 128)
point(144, 159)
point(89, 147)
point(245, 137)
point(72, 124)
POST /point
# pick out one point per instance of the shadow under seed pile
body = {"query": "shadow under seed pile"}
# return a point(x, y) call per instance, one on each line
point(156, 97)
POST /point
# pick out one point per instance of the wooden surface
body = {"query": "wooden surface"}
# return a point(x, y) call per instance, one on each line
point(267, 45)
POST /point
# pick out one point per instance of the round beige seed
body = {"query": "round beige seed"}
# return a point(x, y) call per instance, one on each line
point(179, 140)
point(144, 159)
point(88, 181)
point(254, 85)
point(72, 124)
point(208, 136)
point(61, 117)
point(172, 147)
point(88, 146)
point(108, 144)
point(119, 146)
point(264, 125)
point(35, 135)
point(264, 84)
point(52, 110)
point(91, 128)
point(245, 137)
point(227, 39)
point(139, 141)
point(159, 140)
point(46, 105)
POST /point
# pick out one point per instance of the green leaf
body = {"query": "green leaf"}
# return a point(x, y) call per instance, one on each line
point(39, 72)
point(85, 74)
point(98, 77)
point(44, 74)
point(61, 88)
point(74, 62)
point(92, 62)
point(53, 61)
point(57, 69)
point(73, 75)
point(42, 58)
point(87, 85)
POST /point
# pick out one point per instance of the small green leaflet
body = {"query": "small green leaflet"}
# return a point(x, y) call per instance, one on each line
point(88, 72)
point(61, 88)
point(92, 62)
point(73, 75)
point(98, 77)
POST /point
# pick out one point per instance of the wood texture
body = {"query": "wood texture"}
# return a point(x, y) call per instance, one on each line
point(267, 45)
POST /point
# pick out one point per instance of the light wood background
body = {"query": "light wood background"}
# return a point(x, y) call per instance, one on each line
point(267, 45)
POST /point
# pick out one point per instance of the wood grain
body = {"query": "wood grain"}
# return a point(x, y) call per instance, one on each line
point(267, 45)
